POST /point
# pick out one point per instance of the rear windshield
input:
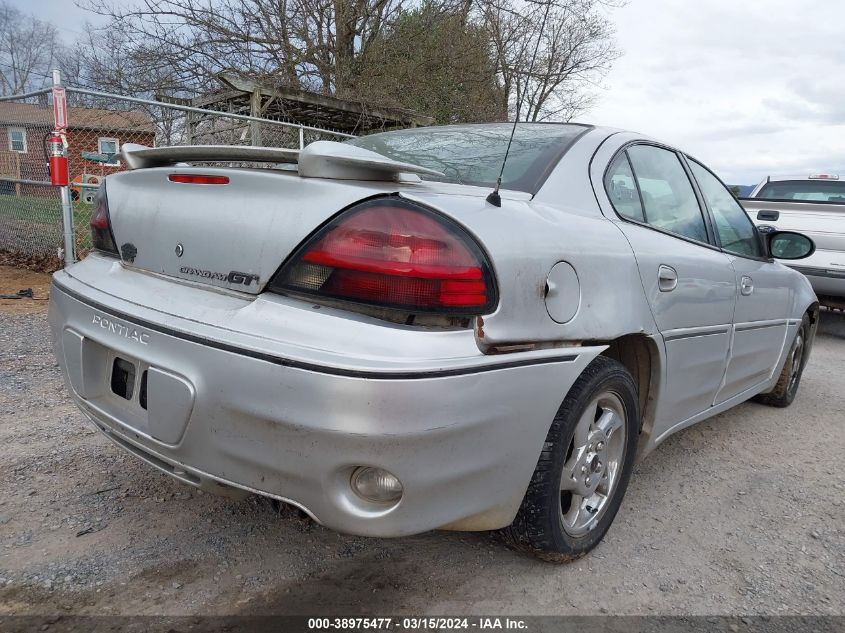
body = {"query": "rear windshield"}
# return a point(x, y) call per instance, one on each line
point(804, 190)
point(472, 154)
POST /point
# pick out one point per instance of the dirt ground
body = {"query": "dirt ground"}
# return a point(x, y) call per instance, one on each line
point(13, 280)
point(742, 514)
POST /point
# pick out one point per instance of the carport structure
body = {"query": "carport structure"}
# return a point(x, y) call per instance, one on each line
point(249, 96)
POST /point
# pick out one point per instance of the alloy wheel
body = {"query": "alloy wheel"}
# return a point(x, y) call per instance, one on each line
point(797, 358)
point(593, 464)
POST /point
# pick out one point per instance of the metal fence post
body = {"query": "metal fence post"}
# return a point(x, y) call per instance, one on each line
point(301, 138)
point(255, 112)
point(67, 205)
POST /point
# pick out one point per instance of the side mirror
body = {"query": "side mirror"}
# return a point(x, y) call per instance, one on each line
point(789, 245)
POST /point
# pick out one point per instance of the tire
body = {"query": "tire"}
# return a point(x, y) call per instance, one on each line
point(560, 525)
point(790, 376)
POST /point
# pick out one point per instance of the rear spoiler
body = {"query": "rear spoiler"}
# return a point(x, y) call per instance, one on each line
point(142, 157)
point(321, 159)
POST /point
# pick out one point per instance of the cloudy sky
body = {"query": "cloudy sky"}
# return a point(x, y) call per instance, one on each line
point(751, 87)
point(64, 14)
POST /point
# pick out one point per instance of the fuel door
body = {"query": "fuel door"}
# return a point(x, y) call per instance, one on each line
point(563, 292)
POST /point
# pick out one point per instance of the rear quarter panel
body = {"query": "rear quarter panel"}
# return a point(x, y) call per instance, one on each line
point(526, 238)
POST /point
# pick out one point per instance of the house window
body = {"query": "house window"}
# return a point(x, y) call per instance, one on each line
point(17, 140)
point(110, 146)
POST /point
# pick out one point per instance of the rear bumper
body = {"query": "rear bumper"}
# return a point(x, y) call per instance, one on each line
point(463, 434)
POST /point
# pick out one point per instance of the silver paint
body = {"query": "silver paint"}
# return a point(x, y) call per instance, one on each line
point(231, 419)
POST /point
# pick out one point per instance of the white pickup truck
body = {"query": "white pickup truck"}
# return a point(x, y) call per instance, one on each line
point(815, 206)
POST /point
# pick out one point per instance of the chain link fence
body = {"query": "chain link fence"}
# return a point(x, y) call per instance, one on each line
point(99, 125)
point(30, 208)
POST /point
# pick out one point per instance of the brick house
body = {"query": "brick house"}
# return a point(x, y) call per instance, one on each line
point(23, 127)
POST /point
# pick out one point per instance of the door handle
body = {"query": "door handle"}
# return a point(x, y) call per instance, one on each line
point(768, 216)
point(746, 285)
point(667, 278)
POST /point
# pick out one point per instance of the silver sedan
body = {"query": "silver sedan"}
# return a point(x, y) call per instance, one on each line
point(367, 331)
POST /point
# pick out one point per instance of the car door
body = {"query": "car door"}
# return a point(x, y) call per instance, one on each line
point(760, 322)
point(689, 282)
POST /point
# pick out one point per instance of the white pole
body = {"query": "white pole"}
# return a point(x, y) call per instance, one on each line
point(301, 138)
point(67, 221)
point(67, 205)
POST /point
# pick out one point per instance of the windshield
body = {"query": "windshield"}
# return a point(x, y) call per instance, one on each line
point(804, 190)
point(472, 154)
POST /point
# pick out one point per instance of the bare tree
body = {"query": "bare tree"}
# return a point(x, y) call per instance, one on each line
point(576, 49)
point(305, 43)
point(28, 48)
point(100, 60)
point(334, 47)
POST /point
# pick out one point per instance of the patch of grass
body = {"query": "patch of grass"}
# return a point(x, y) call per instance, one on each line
point(47, 211)
point(35, 209)
point(42, 210)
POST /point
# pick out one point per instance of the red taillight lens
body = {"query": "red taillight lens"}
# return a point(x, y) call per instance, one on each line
point(395, 254)
point(198, 179)
point(101, 233)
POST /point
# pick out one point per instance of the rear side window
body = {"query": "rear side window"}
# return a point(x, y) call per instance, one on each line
point(668, 199)
point(622, 190)
point(736, 231)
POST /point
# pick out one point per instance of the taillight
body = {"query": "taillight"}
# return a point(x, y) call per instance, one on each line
point(198, 179)
point(102, 238)
point(392, 253)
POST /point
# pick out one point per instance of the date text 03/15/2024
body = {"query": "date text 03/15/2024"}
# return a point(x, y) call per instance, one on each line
point(417, 623)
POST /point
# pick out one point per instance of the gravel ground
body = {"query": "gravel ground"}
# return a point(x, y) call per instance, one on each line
point(742, 514)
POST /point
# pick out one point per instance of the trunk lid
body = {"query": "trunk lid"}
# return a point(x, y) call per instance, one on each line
point(233, 235)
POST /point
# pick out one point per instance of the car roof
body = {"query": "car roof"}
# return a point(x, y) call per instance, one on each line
point(817, 176)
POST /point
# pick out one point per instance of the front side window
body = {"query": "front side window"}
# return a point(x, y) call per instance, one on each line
point(110, 147)
point(734, 228)
point(17, 140)
point(622, 190)
point(668, 199)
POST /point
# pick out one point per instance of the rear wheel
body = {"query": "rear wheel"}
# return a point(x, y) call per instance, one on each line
point(583, 470)
point(790, 376)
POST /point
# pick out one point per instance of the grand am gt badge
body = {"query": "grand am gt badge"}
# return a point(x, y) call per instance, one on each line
point(233, 277)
